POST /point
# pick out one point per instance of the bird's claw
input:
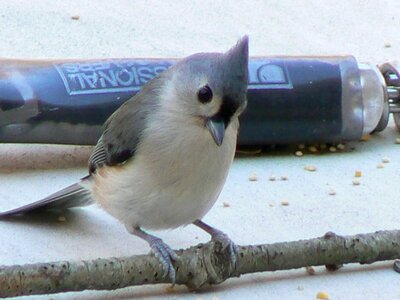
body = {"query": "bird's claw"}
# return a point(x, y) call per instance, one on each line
point(165, 255)
point(227, 243)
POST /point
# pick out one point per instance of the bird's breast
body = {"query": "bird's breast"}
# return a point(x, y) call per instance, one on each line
point(172, 180)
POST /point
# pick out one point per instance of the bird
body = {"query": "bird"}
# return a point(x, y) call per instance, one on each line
point(164, 155)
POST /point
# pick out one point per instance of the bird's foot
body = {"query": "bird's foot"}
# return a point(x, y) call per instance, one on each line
point(226, 243)
point(222, 238)
point(161, 250)
point(165, 255)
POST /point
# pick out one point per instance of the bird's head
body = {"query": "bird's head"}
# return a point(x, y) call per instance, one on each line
point(213, 87)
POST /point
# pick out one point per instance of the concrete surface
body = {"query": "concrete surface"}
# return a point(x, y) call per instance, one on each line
point(366, 29)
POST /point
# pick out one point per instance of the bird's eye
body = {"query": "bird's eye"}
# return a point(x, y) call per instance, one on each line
point(204, 94)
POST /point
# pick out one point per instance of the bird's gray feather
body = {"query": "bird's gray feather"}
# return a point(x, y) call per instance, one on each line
point(118, 143)
point(72, 196)
point(123, 130)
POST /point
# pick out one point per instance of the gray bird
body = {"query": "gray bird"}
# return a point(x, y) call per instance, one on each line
point(164, 155)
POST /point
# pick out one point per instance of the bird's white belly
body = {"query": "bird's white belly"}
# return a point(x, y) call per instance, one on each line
point(168, 188)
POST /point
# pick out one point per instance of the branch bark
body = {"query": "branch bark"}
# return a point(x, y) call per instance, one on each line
point(197, 266)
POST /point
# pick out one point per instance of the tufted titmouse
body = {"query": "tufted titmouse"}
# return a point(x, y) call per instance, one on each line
point(164, 155)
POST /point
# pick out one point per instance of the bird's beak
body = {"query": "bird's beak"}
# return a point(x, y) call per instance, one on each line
point(216, 126)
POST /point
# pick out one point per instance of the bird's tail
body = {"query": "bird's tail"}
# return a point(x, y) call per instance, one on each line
point(74, 195)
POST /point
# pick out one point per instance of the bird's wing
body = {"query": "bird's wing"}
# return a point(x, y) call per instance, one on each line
point(123, 130)
point(118, 143)
point(74, 195)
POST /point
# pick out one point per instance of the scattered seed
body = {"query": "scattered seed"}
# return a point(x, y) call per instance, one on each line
point(380, 166)
point(62, 219)
point(75, 17)
point(356, 182)
point(170, 289)
point(272, 178)
point(301, 146)
point(271, 205)
point(310, 168)
point(312, 149)
point(225, 204)
point(341, 146)
point(332, 192)
point(299, 153)
point(385, 160)
point(397, 141)
point(253, 177)
point(323, 295)
point(284, 178)
point(387, 45)
point(300, 288)
point(285, 203)
point(357, 173)
point(332, 149)
point(365, 137)
point(310, 270)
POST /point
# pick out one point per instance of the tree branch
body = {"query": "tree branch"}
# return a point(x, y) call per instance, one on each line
point(197, 266)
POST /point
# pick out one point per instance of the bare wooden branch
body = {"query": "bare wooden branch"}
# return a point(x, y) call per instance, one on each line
point(197, 266)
